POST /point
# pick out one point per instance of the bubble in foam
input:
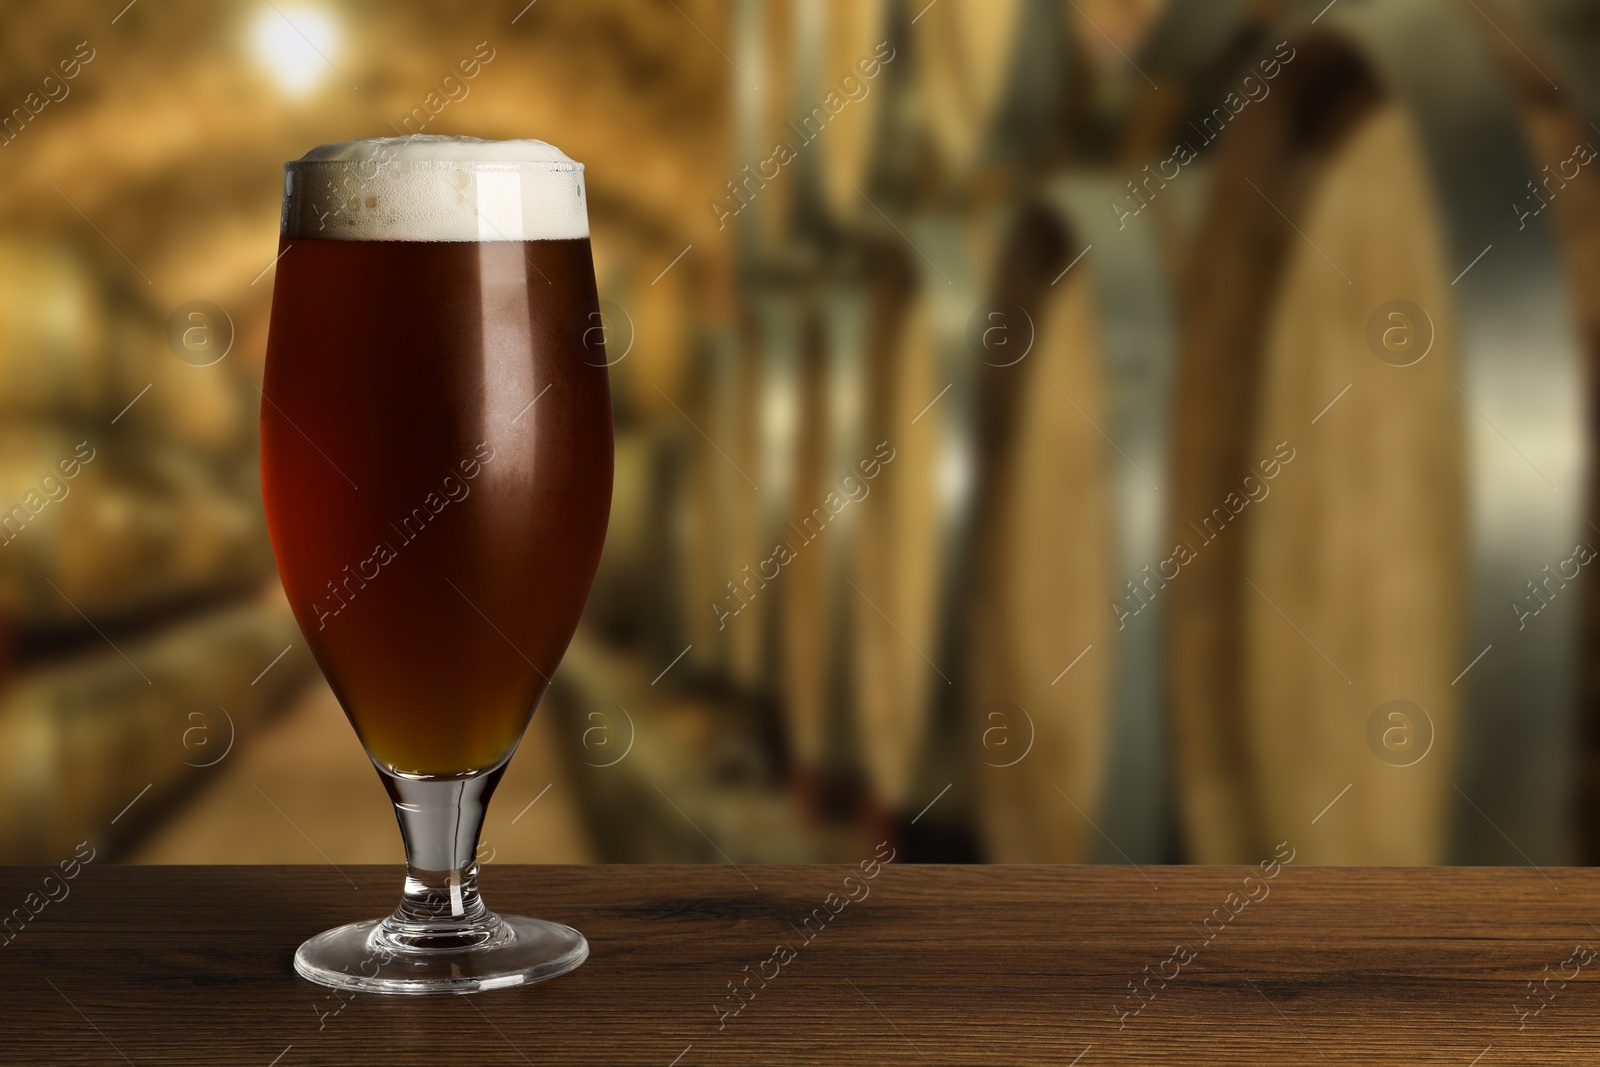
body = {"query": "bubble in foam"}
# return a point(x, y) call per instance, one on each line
point(429, 188)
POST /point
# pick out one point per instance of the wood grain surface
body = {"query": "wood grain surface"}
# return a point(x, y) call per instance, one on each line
point(937, 965)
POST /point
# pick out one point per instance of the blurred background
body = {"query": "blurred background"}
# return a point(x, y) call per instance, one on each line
point(1047, 430)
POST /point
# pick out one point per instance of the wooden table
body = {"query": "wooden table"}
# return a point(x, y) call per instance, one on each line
point(937, 965)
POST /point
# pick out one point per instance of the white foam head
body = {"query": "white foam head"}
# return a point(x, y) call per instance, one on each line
point(428, 188)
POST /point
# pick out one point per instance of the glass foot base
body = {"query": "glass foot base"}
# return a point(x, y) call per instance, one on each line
point(500, 952)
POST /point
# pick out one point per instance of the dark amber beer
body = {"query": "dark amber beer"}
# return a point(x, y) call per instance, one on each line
point(436, 462)
point(437, 484)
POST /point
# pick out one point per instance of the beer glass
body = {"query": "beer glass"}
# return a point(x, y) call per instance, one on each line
point(436, 459)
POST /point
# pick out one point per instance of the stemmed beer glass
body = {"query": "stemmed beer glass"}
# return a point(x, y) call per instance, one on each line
point(436, 457)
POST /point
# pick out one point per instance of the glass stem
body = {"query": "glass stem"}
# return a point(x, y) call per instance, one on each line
point(440, 820)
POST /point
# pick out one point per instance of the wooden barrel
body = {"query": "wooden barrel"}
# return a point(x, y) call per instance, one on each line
point(776, 198)
point(965, 56)
point(710, 499)
point(818, 532)
point(1069, 700)
point(732, 423)
point(809, 109)
point(913, 552)
point(859, 71)
point(752, 444)
point(803, 115)
point(835, 475)
point(1380, 444)
point(739, 458)
point(1569, 40)
point(760, 99)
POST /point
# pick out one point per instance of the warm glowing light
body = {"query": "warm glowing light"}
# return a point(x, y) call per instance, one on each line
point(297, 45)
